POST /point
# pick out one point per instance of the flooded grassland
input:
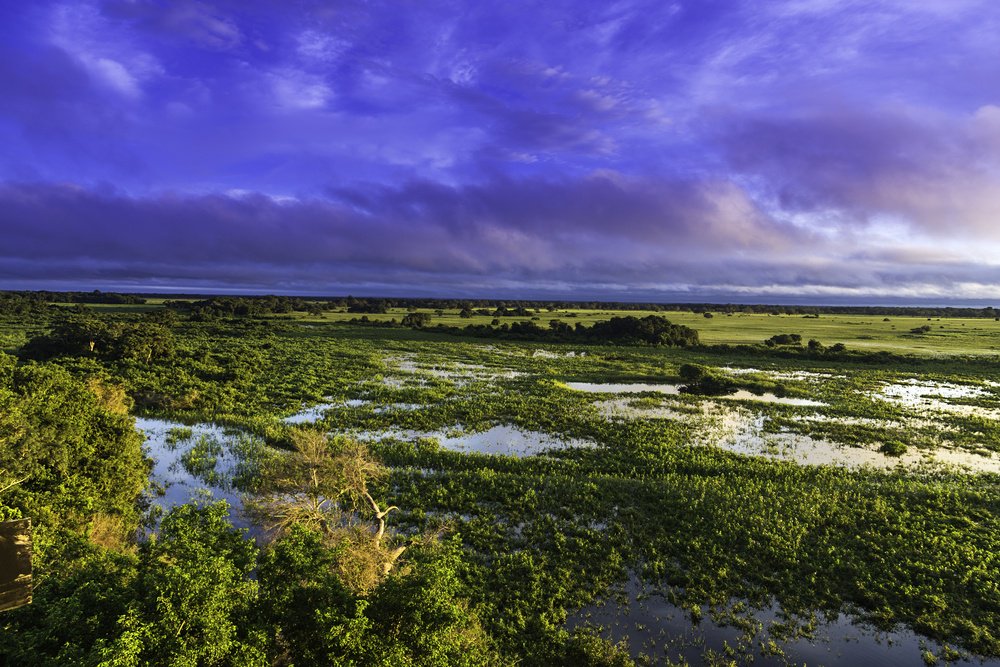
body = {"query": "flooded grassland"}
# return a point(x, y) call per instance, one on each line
point(819, 513)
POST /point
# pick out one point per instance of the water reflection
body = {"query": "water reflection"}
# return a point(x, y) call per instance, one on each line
point(624, 388)
point(675, 390)
point(501, 440)
point(744, 395)
point(926, 396)
point(208, 451)
point(316, 412)
point(663, 631)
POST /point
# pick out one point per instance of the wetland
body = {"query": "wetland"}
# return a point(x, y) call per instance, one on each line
point(823, 509)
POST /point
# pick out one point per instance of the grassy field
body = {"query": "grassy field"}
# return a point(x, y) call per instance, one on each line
point(892, 333)
point(948, 336)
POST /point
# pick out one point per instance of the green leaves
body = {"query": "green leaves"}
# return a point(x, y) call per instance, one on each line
point(80, 458)
point(195, 595)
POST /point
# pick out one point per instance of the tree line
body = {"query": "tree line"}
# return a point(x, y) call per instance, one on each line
point(625, 330)
point(207, 305)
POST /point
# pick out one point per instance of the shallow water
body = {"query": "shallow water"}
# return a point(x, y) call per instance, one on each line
point(802, 376)
point(316, 412)
point(915, 389)
point(675, 390)
point(458, 372)
point(744, 395)
point(937, 396)
point(502, 439)
point(624, 388)
point(805, 376)
point(397, 406)
point(742, 371)
point(548, 354)
point(622, 408)
point(742, 432)
point(654, 626)
point(181, 486)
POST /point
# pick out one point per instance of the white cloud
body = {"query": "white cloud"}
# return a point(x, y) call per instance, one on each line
point(204, 26)
point(320, 47)
point(108, 57)
point(115, 76)
point(295, 89)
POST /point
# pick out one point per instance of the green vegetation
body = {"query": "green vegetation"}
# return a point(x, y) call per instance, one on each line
point(893, 448)
point(200, 460)
point(627, 330)
point(398, 550)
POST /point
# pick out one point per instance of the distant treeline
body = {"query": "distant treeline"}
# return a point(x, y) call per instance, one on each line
point(12, 303)
point(521, 308)
point(22, 303)
point(96, 296)
point(835, 352)
point(243, 306)
point(627, 330)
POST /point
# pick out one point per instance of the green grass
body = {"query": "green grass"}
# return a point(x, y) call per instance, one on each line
point(949, 336)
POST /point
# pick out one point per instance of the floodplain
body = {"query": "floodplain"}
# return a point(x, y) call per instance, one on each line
point(826, 509)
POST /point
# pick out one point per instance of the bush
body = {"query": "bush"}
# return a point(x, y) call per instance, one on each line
point(893, 448)
point(784, 339)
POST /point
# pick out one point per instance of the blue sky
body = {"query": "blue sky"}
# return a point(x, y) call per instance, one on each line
point(759, 150)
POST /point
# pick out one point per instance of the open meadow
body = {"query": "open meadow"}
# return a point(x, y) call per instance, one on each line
point(576, 502)
point(948, 336)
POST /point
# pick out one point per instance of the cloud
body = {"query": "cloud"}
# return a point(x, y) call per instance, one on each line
point(320, 47)
point(111, 59)
point(297, 90)
point(937, 175)
point(593, 236)
point(202, 25)
point(196, 23)
point(719, 142)
point(114, 75)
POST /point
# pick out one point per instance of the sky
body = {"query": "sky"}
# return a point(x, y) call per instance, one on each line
point(751, 150)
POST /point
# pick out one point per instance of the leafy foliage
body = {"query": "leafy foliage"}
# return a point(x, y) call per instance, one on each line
point(78, 455)
point(194, 596)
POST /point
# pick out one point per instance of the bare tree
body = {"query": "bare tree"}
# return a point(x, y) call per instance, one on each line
point(324, 483)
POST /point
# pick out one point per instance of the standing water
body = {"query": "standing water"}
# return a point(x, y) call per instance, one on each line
point(191, 463)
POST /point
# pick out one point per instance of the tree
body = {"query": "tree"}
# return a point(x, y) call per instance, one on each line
point(421, 619)
point(144, 342)
point(70, 336)
point(195, 593)
point(75, 448)
point(784, 339)
point(414, 617)
point(82, 336)
point(323, 484)
point(649, 330)
point(701, 380)
point(416, 320)
point(165, 316)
